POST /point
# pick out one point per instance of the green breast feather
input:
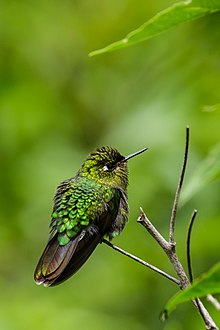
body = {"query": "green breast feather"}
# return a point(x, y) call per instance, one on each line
point(77, 203)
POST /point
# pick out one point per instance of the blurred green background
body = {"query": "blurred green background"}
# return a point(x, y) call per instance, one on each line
point(57, 105)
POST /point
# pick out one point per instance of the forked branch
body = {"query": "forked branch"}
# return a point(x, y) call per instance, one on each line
point(169, 246)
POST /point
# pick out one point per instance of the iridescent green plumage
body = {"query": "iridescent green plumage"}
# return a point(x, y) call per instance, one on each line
point(87, 207)
point(82, 203)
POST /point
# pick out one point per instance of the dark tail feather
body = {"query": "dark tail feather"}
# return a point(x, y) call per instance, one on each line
point(58, 263)
point(85, 247)
point(53, 261)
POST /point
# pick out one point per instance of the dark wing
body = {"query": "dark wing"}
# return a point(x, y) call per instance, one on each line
point(60, 261)
point(54, 260)
point(122, 215)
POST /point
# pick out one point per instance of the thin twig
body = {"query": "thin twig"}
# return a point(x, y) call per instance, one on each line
point(210, 324)
point(127, 254)
point(177, 195)
point(214, 301)
point(188, 256)
point(144, 221)
point(188, 244)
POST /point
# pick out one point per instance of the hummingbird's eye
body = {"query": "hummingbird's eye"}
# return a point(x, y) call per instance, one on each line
point(108, 168)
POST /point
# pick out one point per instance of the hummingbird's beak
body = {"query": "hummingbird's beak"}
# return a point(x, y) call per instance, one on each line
point(134, 154)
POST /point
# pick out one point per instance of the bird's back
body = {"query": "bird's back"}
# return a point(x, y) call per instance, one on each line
point(84, 211)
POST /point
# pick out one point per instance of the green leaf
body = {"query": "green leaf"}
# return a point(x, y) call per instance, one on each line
point(178, 13)
point(207, 171)
point(209, 283)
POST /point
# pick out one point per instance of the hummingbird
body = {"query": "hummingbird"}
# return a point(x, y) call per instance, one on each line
point(87, 207)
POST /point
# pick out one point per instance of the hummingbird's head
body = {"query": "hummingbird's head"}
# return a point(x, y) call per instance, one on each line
point(107, 166)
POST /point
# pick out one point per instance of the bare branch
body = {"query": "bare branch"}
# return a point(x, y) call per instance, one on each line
point(214, 301)
point(143, 220)
point(171, 253)
point(188, 244)
point(169, 246)
point(210, 324)
point(127, 254)
point(177, 195)
point(189, 263)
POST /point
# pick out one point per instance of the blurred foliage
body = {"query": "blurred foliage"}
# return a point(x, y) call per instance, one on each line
point(207, 171)
point(56, 105)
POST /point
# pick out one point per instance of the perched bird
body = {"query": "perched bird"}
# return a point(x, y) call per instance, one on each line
point(87, 207)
